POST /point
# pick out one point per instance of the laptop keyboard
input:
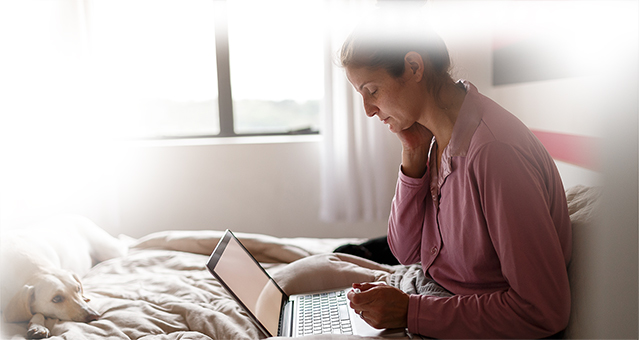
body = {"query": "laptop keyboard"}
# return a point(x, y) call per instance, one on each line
point(324, 313)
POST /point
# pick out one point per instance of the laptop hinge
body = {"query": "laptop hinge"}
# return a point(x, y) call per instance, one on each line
point(286, 321)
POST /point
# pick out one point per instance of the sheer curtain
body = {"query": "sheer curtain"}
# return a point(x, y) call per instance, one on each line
point(360, 156)
point(54, 159)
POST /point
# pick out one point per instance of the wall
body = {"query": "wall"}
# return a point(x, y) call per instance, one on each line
point(247, 186)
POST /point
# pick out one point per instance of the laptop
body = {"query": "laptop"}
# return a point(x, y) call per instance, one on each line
point(273, 311)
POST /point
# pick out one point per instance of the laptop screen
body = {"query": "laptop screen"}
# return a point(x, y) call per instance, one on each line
point(252, 286)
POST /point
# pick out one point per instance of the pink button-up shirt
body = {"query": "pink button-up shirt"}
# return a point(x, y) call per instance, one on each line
point(493, 228)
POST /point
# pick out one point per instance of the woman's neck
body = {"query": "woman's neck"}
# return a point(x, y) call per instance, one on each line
point(440, 115)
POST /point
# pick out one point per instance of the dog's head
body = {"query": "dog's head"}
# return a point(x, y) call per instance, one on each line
point(56, 294)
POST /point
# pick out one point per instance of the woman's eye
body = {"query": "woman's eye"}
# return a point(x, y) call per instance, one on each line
point(57, 299)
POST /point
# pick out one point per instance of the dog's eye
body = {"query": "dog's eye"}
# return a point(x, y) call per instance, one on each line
point(57, 299)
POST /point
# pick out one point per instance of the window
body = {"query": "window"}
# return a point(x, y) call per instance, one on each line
point(155, 62)
point(193, 68)
point(276, 64)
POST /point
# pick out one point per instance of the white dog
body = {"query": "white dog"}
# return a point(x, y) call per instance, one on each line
point(41, 266)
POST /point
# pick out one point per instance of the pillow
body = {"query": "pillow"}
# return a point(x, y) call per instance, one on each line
point(582, 203)
point(328, 271)
point(267, 249)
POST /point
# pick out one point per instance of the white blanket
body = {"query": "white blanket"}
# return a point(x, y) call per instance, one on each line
point(162, 289)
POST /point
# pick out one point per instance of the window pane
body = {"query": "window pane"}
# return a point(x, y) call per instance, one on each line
point(276, 60)
point(156, 65)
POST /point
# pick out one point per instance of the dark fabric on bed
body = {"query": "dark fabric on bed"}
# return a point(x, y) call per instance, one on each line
point(375, 249)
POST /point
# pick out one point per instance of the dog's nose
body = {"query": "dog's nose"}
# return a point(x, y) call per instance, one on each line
point(91, 315)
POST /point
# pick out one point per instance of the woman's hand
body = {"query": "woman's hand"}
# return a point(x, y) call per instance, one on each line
point(415, 137)
point(380, 305)
point(415, 145)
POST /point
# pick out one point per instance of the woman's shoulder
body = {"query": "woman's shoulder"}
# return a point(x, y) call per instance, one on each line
point(494, 122)
point(496, 129)
point(502, 146)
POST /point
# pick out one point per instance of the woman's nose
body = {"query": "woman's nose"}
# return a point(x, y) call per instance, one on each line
point(370, 110)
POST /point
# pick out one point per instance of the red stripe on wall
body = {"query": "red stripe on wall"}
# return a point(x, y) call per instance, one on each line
point(574, 149)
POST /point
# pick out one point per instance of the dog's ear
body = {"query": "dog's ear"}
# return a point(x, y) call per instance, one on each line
point(19, 308)
point(77, 279)
point(81, 288)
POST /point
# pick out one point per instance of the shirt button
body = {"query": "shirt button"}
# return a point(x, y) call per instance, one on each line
point(433, 251)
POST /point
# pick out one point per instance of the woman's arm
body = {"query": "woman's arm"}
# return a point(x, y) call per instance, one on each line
point(408, 206)
point(517, 195)
point(407, 218)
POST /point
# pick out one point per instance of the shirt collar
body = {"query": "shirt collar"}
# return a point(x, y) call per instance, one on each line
point(465, 126)
point(467, 121)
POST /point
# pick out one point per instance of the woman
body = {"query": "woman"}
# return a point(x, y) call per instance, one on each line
point(479, 201)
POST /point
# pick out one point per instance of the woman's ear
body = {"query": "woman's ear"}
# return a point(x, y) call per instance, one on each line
point(19, 307)
point(414, 64)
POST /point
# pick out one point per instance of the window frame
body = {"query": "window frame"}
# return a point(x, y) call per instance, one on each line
point(225, 95)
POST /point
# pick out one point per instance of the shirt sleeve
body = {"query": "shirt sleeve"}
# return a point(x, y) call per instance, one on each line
point(407, 217)
point(516, 202)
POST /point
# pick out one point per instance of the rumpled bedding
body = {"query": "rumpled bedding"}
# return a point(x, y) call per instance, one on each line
point(162, 289)
point(150, 293)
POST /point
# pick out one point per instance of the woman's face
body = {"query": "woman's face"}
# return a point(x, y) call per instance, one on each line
point(395, 101)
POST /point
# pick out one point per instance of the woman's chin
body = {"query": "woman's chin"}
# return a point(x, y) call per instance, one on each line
point(393, 128)
point(396, 129)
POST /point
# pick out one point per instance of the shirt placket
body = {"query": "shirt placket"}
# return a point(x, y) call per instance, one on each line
point(436, 183)
point(435, 238)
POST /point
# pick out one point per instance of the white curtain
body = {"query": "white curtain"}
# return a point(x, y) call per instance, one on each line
point(53, 157)
point(360, 156)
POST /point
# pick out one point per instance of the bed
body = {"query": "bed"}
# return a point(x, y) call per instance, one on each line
point(162, 290)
